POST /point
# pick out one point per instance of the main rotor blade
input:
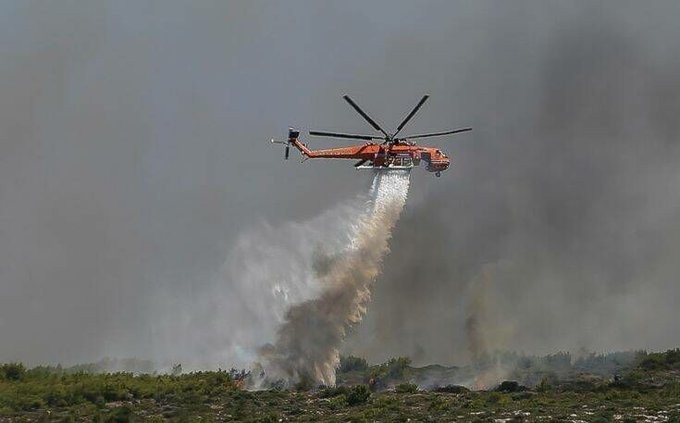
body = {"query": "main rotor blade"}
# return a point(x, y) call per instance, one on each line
point(364, 115)
point(437, 134)
point(410, 115)
point(342, 135)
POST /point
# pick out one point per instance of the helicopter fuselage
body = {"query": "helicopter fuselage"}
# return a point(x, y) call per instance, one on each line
point(382, 155)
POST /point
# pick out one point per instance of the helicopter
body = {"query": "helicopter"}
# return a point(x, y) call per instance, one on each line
point(391, 151)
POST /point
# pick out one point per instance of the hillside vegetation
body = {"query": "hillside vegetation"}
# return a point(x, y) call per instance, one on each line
point(647, 390)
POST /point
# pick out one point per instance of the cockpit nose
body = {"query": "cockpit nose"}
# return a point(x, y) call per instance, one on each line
point(438, 154)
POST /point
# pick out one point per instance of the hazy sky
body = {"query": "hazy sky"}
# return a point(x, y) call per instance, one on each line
point(134, 151)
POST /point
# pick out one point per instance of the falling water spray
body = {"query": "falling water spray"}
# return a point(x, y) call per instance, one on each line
point(307, 341)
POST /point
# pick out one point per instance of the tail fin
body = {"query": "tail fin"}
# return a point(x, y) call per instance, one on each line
point(293, 135)
point(293, 139)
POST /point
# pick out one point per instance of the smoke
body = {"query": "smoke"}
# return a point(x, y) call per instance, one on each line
point(134, 159)
point(569, 179)
point(477, 322)
point(486, 332)
point(306, 348)
point(270, 268)
point(486, 329)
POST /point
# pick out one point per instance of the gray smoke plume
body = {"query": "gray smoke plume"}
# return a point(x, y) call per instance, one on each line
point(270, 269)
point(486, 332)
point(139, 195)
point(485, 329)
point(477, 321)
point(307, 342)
point(569, 178)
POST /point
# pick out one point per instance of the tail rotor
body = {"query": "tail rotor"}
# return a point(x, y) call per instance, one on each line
point(292, 136)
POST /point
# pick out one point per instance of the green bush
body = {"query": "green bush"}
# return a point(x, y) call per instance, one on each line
point(673, 357)
point(406, 388)
point(548, 382)
point(395, 368)
point(121, 415)
point(305, 383)
point(333, 392)
point(510, 386)
point(12, 371)
point(674, 417)
point(358, 395)
point(338, 402)
point(653, 362)
point(38, 388)
point(438, 403)
point(660, 361)
point(452, 389)
point(352, 363)
point(271, 417)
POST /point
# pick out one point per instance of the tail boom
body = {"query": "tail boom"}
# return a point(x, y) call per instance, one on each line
point(352, 152)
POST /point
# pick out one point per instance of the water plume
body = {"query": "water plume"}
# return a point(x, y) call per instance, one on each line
point(306, 346)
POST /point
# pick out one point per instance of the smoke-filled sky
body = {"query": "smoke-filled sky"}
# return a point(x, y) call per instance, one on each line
point(134, 153)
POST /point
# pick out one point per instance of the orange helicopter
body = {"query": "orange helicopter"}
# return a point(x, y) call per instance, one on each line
point(392, 152)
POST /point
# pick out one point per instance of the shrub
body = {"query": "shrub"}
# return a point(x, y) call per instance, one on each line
point(452, 389)
point(338, 402)
point(659, 361)
point(395, 368)
point(438, 403)
point(358, 395)
point(272, 417)
point(406, 388)
point(13, 371)
point(510, 386)
point(492, 398)
point(548, 381)
point(653, 362)
point(333, 392)
point(604, 417)
point(305, 383)
point(352, 363)
point(673, 357)
point(177, 369)
point(674, 417)
point(121, 415)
